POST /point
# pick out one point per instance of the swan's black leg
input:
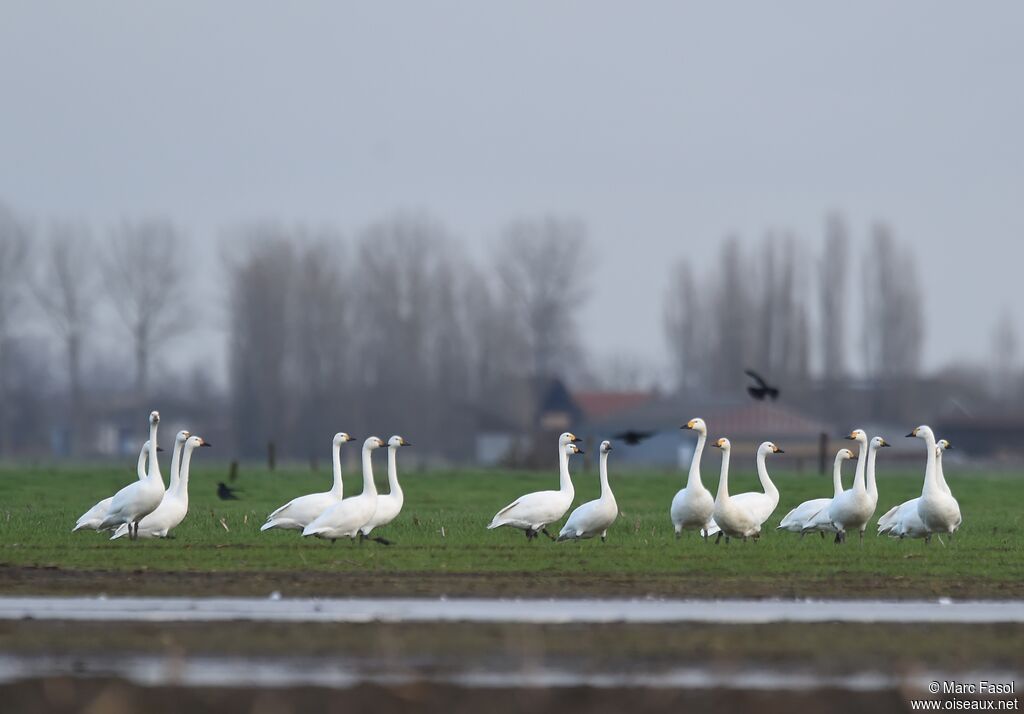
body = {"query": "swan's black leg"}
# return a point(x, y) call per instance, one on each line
point(679, 534)
point(718, 538)
point(382, 541)
point(545, 532)
point(604, 537)
point(822, 533)
point(360, 537)
point(333, 541)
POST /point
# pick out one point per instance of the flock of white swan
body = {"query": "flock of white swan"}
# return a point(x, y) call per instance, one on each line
point(146, 509)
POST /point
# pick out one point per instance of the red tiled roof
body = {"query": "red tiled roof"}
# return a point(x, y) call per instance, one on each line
point(597, 405)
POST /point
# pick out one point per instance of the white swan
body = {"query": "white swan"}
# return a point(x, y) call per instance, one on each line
point(300, 512)
point(937, 508)
point(802, 519)
point(733, 520)
point(594, 517)
point(174, 506)
point(141, 498)
point(345, 518)
point(760, 505)
point(902, 521)
point(390, 504)
point(92, 518)
point(872, 485)
point(532, 512)
point(853, 508)
point(693, 505)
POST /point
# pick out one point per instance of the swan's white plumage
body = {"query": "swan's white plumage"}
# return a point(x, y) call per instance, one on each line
point(937, 508)
point(812, 516)
point(760, 505)
point(346, 517)
point(851, 509)
point(91, 519)
point(141, 498)
point(300, 512)
point(593, 517)
point(389, 505)
point(534, 511)
point(693, 504)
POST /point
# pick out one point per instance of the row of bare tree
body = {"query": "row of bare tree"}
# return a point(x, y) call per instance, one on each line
point(755, 309)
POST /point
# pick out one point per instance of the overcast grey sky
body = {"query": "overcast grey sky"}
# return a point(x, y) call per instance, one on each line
point(663, 126)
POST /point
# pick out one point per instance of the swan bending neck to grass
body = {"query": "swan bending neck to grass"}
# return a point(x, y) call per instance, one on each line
point(141, 498)
point(693, 504)
point(853, 509)
point(802, 519)
point(759, 505)
point(902, 521)
point(174, 506)
point(390, 504)
point(91, 519)
point(533, 512)
point(346, 517)
point(594, 517)
point(937, 508)
point(300, 512)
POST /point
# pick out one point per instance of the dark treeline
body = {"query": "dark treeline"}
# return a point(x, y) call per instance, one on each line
point(399, 328)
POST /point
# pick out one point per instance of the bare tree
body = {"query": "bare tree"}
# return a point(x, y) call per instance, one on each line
point(143, 271)
point(732, 315)
point(14, 249)
point(832, 293)
point(67, 291)
point(684, 326)
point(542, 265)
point(1005, 369)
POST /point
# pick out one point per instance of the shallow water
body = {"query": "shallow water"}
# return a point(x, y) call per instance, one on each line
point(559, 611)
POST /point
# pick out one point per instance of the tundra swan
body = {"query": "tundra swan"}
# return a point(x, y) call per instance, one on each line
point(141, 498)
point(345, 518)
point(733, 519)
point(852, 508)
point(801, 519)
point(594, 517)
point(532, 512)
point(92, 518)
point(300, 512)
point(174, 506)
point(693, 505)
point(937, 508)
point(390, 504)
point(902, 521)
point(761, 505)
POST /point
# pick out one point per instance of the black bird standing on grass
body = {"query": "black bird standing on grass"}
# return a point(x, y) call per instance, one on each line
point(225, 492)
point(762, 389)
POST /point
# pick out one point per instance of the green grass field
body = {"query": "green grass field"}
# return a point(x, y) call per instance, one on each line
point(441, 535)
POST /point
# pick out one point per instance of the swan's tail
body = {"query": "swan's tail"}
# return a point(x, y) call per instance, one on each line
point(886, 522)
point(122, 530)
point(270, 524)
point(711, 528)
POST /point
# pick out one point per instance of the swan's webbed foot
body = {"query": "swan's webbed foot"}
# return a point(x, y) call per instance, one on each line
point(382, 541)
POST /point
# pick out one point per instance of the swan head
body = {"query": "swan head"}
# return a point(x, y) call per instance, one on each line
point(196, 441)
point(181, 436)
point(878, 442)
point(722, 444)
point(844, 455)
point(373, 442)
point(571, 449)
point(697, 425)
point(943, 445)
point(154, 417)
point(606, 446)
point(395, 441)
point(922, 432)
point(340, 438)
point(769, 448)
point(858, 435)
point(567, 438)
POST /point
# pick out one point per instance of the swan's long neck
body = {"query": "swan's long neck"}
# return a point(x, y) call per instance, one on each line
point(606, 491)
point(336, 490)
point(693, 479)
point(858, 478)
point(368, 485)
point(154, 462)
point(186, 460)
point(175, 479)
point(393, 471)
point(564, 480)
point(931, 482)
point(723, 481)
point(141, 468)
point(837, 478)
point(872, 486)
point(940, 476)
point(762, 473)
